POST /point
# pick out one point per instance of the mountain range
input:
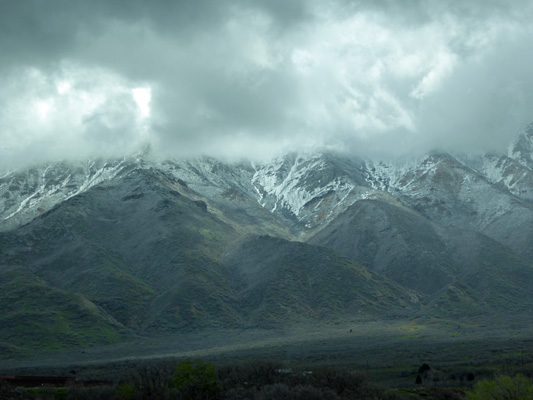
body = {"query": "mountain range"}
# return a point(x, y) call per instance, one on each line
point(100, 251)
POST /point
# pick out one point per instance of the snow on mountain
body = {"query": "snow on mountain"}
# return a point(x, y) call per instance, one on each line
point(285, 183)
point(212, 178)
point(521, 149)
point(480, 198)
point(444, 188)
point(305, 190)
point(310, 189)
point(505, 172)
point(25, 194)
point(386, 175)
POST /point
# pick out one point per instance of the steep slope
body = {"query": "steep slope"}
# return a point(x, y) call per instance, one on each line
point(393, 240)
point(145, 254)
point(490, 278)
point(26, 194)
point(310, 190)
point(521, 149)
point(228, 186)
point(504, 172)
point(461, 272)
point(38, 316)
point(449, 193)
point(296, 195)
point(286, 282)
point(129, 244)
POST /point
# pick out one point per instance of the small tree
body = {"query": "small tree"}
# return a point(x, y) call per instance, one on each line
point(195, 379)
point(503, 388)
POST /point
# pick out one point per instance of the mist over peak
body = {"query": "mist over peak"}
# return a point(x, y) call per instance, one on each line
point(257, 79)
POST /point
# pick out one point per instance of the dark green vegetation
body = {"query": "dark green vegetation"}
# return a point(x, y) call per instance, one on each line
point(457, 272)
point(34, 312)
point(146, 256)
point(387, 237)
point(195, 379)
point(504, 388)
point(150, 267)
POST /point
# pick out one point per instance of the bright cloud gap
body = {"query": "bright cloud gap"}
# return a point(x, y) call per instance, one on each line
point(142, 97)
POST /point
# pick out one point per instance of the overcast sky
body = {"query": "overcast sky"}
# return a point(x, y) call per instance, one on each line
point(244, 78)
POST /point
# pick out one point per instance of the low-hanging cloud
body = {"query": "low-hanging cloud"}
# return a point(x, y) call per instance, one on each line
point(254, 78)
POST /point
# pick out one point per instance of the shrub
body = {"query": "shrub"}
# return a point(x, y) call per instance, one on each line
point(503, 388)
point(195, 379)
point(125, 391)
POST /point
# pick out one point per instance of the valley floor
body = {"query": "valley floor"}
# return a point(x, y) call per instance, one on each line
point(389, 352)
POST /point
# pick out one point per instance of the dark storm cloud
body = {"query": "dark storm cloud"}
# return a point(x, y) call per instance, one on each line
point(245, 78)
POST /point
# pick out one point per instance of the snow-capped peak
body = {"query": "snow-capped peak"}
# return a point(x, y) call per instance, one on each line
point(521, 149)
point(25, 194)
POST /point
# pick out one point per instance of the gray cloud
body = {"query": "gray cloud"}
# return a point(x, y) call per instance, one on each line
point(252, 78)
